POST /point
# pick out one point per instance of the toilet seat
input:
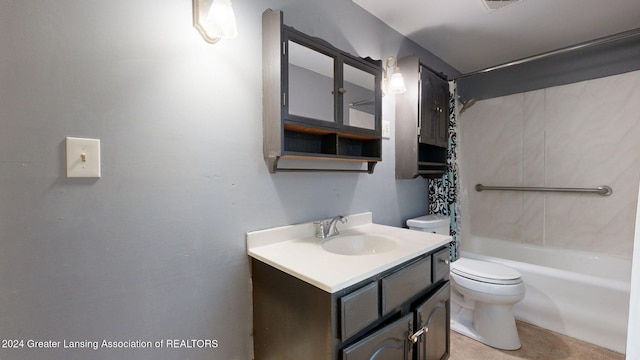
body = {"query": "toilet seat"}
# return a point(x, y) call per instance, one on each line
point(485, 271)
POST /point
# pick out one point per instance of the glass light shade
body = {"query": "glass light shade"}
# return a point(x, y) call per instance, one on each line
point(221, 21)
point(396, 84)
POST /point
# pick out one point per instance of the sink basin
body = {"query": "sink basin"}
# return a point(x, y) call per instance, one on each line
point(359, 245)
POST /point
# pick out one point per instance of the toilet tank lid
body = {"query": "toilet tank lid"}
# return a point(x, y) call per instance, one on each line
point(429, 221)
point(484, 269)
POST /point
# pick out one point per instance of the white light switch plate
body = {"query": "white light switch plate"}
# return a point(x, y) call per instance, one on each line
point(386, 129)
point(83, 158)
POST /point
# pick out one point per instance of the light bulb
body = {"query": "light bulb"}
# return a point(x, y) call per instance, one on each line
point(396, 84)
point(221, 21)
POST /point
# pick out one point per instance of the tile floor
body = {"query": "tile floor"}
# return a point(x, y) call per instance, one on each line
point(537, 343)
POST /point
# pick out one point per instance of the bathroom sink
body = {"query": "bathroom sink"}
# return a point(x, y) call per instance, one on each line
point(359, 245)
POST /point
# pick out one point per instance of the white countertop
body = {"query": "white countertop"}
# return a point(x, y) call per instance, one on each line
point(295, 250)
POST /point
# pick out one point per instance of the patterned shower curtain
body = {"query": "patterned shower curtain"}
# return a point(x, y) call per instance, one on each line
point(443, 192)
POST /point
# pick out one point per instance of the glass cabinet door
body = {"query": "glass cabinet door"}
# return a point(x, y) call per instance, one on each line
point(358, 98)
point(310, 83)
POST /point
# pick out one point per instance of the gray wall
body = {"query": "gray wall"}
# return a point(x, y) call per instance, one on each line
point(155, 249)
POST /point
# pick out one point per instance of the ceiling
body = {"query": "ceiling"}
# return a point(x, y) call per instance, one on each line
point(469, 36)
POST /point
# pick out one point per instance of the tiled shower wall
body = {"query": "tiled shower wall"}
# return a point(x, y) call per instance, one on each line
point(579, 135)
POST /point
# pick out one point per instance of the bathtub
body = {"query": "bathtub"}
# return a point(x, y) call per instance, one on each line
point(579, 294)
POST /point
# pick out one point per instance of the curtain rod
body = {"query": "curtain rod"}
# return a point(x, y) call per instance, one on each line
point(598, 41)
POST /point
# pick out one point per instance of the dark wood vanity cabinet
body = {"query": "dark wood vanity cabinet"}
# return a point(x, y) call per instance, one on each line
point(319, 103)
point(422, 122)
point(375, 319)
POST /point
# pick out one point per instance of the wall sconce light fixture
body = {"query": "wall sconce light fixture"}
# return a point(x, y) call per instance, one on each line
point(392, 81)
point(214, 19)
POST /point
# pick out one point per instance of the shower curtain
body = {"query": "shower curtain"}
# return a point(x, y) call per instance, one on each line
point(443, 191)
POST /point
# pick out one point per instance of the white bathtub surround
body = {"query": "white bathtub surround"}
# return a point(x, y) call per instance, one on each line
point(579, 135)
point(579, 294)
point(295, 250)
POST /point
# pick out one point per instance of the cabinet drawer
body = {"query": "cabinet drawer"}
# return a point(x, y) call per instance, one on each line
point(388, 343)
point(441, 265)
point(403, 284)
point(358, 309)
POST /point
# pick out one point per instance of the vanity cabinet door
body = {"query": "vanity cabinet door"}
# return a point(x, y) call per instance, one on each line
point(390, 343)
point(434, 314)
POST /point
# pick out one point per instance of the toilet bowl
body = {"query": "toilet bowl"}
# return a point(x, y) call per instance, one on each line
point(482, 299)
point(482, 293)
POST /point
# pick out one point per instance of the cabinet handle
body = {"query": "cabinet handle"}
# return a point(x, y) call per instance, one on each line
point(413, 338)
point(342, 90)
point(446, 261)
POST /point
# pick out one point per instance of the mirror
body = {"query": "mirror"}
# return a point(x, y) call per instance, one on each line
point(359, 98)
point(311, 81)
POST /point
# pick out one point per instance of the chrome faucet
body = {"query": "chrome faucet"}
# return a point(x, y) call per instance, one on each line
point(325, 229)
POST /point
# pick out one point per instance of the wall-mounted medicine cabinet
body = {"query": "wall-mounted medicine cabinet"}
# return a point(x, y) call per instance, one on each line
point(422, 122)
point(319, 103)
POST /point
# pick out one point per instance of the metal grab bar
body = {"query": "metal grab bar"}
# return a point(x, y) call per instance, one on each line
point(603, 190)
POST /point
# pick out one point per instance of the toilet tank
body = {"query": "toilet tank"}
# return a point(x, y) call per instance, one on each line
point(437, 224)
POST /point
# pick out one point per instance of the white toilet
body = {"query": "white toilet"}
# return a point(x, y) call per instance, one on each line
point(482, 293)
